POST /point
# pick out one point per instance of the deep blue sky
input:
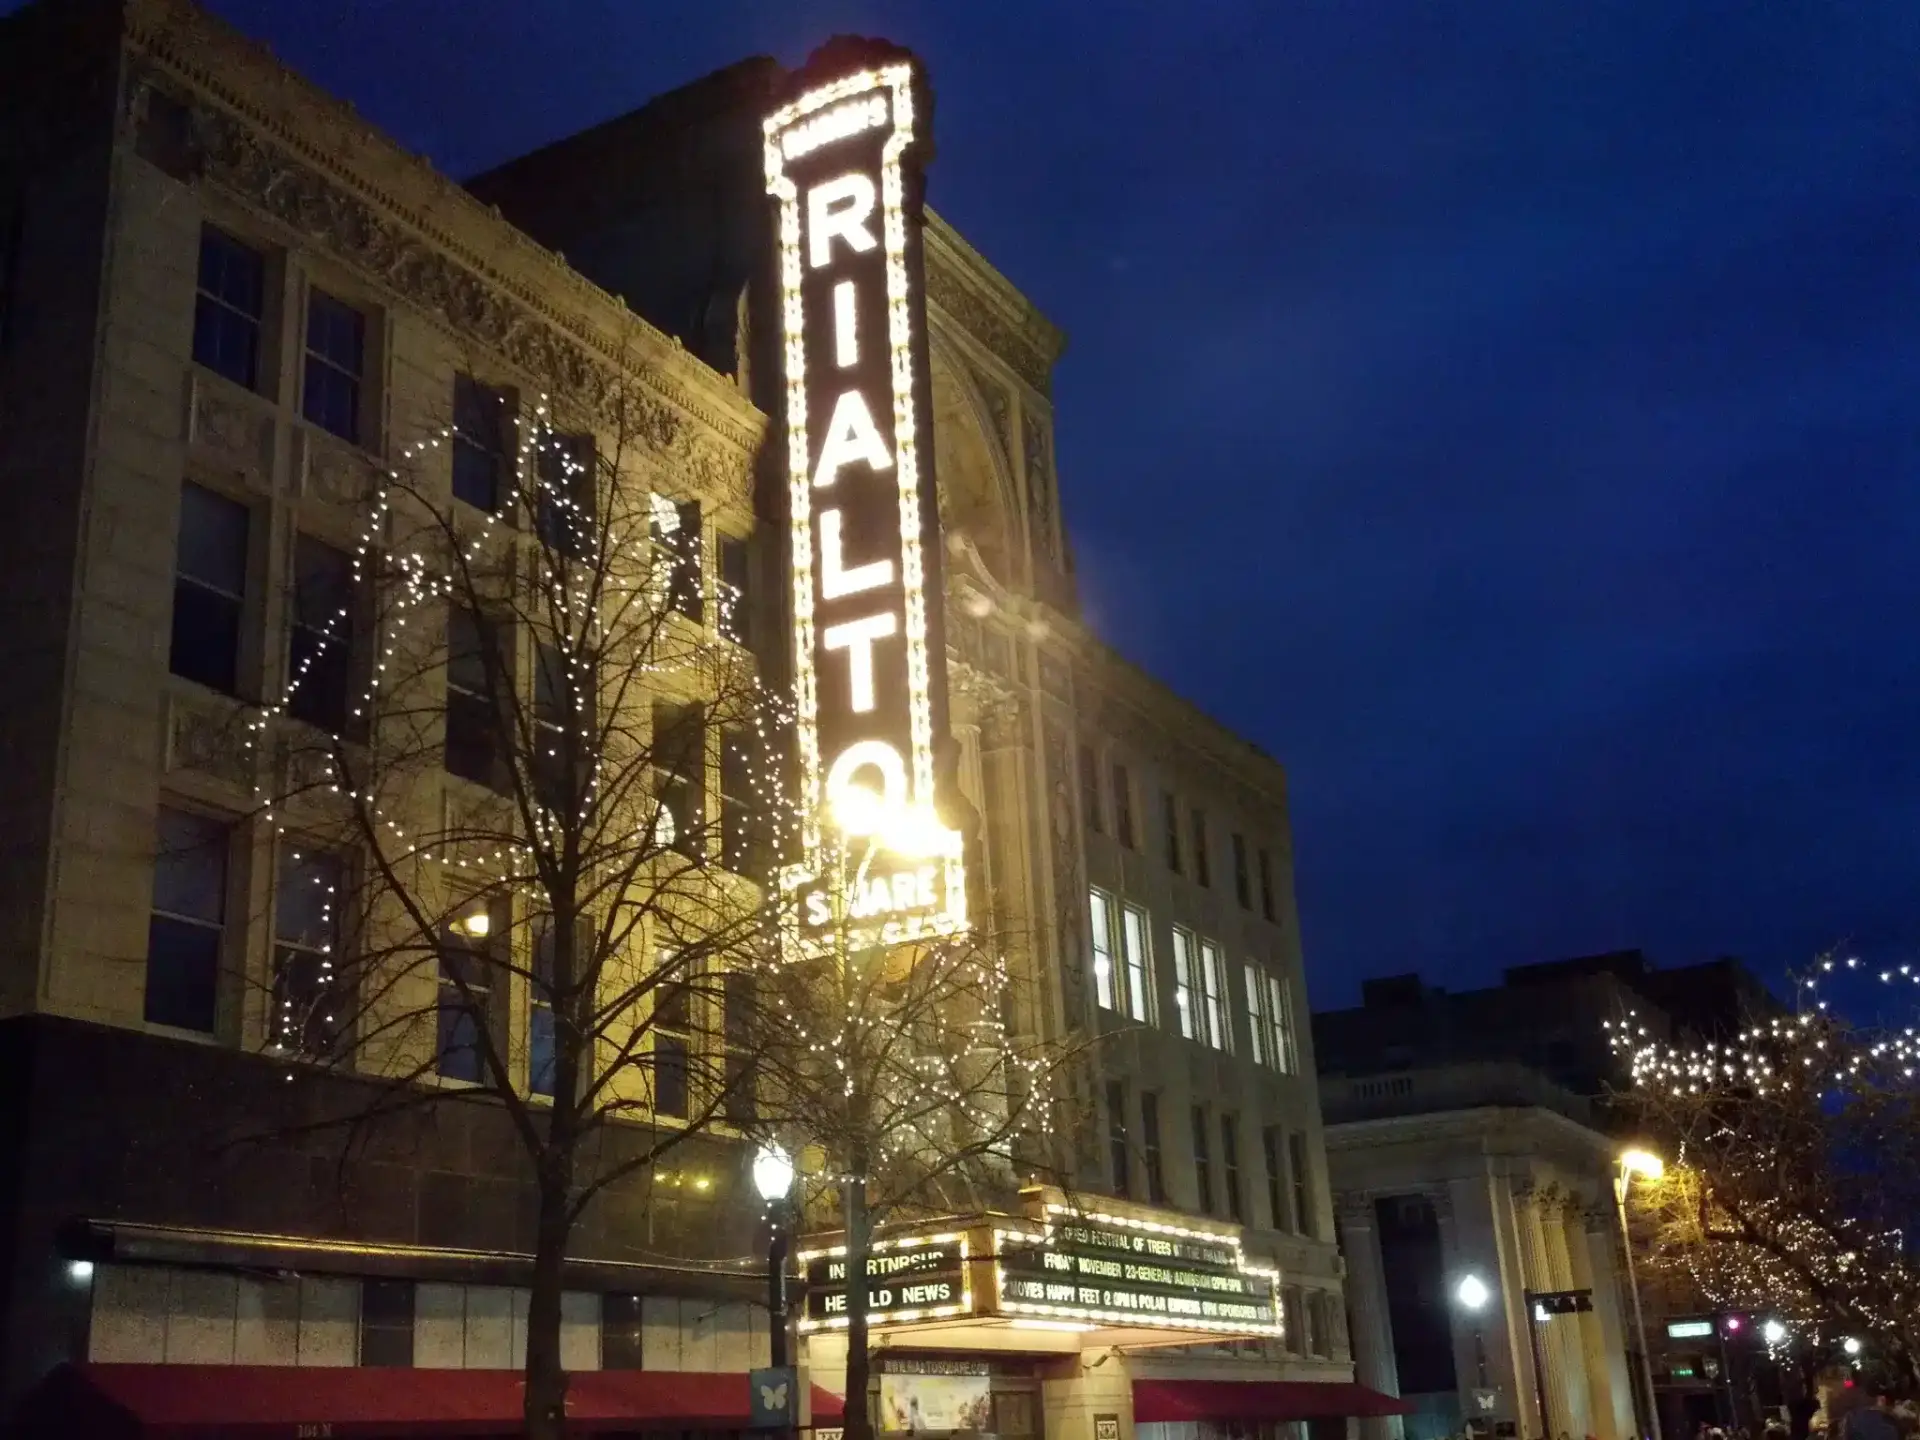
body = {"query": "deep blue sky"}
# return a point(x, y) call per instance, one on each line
point(1506, 412)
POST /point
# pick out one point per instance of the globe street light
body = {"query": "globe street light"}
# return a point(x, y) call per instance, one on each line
point(1773, 1332)
point(1851, 1345)
point(1648, 1166)
point(1472, 1292)
point(773, 1177)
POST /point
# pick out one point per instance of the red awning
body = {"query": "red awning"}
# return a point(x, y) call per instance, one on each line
point(1258, 1400)
point(276, 1402)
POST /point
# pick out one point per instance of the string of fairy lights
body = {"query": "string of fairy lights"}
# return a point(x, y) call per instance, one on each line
point(1778, 1200)
point(962, 1077)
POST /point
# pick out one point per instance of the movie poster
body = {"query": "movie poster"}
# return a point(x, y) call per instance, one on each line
point(917, 1404)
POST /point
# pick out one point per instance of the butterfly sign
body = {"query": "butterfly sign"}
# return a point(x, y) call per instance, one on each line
point(770, 1398)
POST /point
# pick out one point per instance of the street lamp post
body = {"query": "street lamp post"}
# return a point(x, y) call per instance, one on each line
point(773, 1178)
point(1652, 1167)
point(1472, 1294)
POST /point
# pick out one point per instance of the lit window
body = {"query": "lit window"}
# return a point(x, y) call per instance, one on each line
point(188, 922)
point(1257, 1029)
point(228, 307)
point(1284, 1047)
point(1136, 949)
point(336, 365)
point(1100, 914)
point(482, 426)
point(209, 588)
point(1213, 983)
point(1186, 986)
point(473, 967)
point(676, 542)
point(673, 1043)
point(309, 1005)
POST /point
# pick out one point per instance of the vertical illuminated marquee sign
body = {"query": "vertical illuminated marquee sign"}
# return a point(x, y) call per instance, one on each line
point(841, 162)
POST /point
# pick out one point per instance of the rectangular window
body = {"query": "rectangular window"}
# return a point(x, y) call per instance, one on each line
point(745, 842)
point(1123, 806)
point(1303, 1221)
point(1170, 813)
point(386, 1323)
point(482, 426)
point(1202, 1161)
point(1296, 1320)
point(680, 770)
point(309, 1005)
point(1105, 972)
point(336, 365)
point(477, 662)
point(621, 1327)
point(738, 997)
point(565, 510)
point(228, 308)
point(1186, 983)
point(1271, 1139)
point(1258, 1033)
point(1117, 1147)
point(1202, 862)
point(473, 971)
point(676, 545)
point(1213, 986)
point(187, 927)
point(1317, 1324)
point(673, 1042)
point(1242, 888)
point(1284, 1046)
point(323, 670)
point(560, 744)
point(1266, 884)
point(734, 592)
point(541, 982)
point(1090, 815)
point(209, 589)
point(1150, 1148)
point(1136, 950)
point(1230, 1165)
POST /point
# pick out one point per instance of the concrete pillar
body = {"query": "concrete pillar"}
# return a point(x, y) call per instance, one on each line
point(1612, 1316)
point(1078, 1393)
point(1372, 1337)
point(1566, 1332)
point(1537, 1272)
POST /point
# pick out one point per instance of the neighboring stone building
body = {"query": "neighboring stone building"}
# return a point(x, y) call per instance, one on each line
point(157, 169)
point(1471, 1133)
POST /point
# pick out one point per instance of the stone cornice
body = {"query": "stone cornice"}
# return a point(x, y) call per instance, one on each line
point(978, 299)
point(285, 146)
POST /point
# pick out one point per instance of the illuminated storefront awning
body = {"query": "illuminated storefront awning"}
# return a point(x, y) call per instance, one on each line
point(1054, 1278)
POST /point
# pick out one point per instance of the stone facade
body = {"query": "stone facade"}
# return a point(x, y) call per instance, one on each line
point(131, 131)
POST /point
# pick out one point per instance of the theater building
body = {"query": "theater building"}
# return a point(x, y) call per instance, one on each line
point(162, 180)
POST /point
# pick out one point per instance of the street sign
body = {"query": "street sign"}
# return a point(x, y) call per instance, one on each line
point(1689, 1329)
point(773, 1397)
point(1560, 1302)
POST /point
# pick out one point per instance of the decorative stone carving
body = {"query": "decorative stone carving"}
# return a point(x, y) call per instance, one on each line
point(1067, 887)
point(226, 432)
point(206, 741)
point(999, 409)
point(1005, 726)
point(1040, 510)
point(979, 319)
point(232, 153)
point(334, 473)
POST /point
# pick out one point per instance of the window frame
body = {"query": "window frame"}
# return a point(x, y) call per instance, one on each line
point(1242, 879)
point(1186, 984)
point(683, 1030)
point(342, 636)
point(682, 578)
point(1102, 939)
point(1092, 820)
point(1202, 859)
point(492, 961)
point(1201, 1126)
point(1258, 1034)
point(1230, 1167)
point(1264, 861)
point(206, 593)
point(319, 298)
point(487, 444)
point(284, 949)
point(1118, 1141)
point(215, 311)
point(1285, 1040)
point(566, 500)
point(214, 827)
point(491, 636)
point(1299, 1168)
point(1151, 1148)
point(1272, 1142)
point(680, 777)
point(733, 589)
point(1137, 962)
point(1215, 997)
point(1123, 828)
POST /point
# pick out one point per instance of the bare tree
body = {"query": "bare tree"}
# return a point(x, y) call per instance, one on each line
point(1797, 1177)
point(526, 778)
point(919, 1074)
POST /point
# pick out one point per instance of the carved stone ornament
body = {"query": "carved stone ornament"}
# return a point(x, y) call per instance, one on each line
point(999, 408)
point(1046, 540)
point(226, 432)
point(1067, 887)
point(234, 154)
point(979, 319)
point(207, 742)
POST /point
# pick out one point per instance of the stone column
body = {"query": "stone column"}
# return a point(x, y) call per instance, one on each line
point(1567, 1331)
point(1537, 1273)
point(1612, 1317)
point(1372, 1336)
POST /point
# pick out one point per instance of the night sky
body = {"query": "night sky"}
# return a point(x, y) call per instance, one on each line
point(1506, 413)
